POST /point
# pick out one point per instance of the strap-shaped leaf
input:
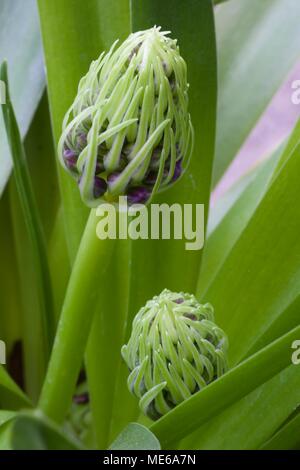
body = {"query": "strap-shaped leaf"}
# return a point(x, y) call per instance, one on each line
point(231, 387)
point(260, 277)
point(248, 33)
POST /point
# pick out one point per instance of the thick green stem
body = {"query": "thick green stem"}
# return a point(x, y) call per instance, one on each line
point(85, 283)
point(105, 341)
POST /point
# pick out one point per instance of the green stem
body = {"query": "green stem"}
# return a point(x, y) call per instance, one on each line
point(105, 341)
point(86, 281)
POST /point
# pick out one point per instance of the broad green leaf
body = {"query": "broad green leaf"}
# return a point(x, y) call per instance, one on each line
point(260, 277)
point(11, 396)
point(42, 166)
point(225, 235)
point(248, 33)
point(58, 261)
point(20, 43)
point(248, 423)
point(6, 416)
point(135, 437)
point(34, 432)
point(286, 438)
point(10, 305)
point(157, 264)
point(226, 201)
point(75, 33)
point(166, 263)
point(32, 220)
point(289, 147)
point(231, 387)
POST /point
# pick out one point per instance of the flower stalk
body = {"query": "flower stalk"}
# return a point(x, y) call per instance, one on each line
point(87, 276)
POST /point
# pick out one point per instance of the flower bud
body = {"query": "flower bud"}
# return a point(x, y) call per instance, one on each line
point(129, 124)
point(79, 419)
point(175, 350)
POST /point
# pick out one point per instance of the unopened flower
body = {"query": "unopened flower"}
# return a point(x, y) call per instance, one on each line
point(128, 131)
point(79, 418)
point(175, 350)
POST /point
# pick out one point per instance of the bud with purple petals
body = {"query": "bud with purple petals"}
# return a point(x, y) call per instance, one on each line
point(128, 131)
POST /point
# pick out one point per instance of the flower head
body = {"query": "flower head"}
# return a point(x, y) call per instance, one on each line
point(128, 131)
point(175, 350)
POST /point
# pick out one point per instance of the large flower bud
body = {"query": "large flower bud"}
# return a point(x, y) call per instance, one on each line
point(175, 350)
point(128, 131)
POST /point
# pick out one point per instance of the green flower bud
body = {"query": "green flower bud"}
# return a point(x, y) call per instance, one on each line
point(79, 418)
point(175, 350)
point(128, 131)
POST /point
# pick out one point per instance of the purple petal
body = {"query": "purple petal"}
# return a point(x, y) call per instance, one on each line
point(70, 159)
point(138, 195)
point(81, 399)
point(112, 177)
point(100, 187)
point(177, 171)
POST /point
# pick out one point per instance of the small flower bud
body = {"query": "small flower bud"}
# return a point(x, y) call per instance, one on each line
point(175, 350)
point(129, 123)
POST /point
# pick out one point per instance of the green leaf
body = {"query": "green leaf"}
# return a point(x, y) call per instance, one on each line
point(34, 432)
point(19, 26)
point(234, 385)
point(6, 416)
point(40, 153)
point(260, 277)
point(135, 437)
point(11, 396)
point(154, 265)
point(228, 230)
point(32, 219)
point(10, 305)
point(248, 33)
point(251, 421)
point(287, 438)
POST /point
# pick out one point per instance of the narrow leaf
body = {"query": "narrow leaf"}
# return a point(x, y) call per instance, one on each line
point(31, 216)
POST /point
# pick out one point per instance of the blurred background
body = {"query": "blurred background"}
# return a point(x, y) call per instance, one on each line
point(273, 127)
